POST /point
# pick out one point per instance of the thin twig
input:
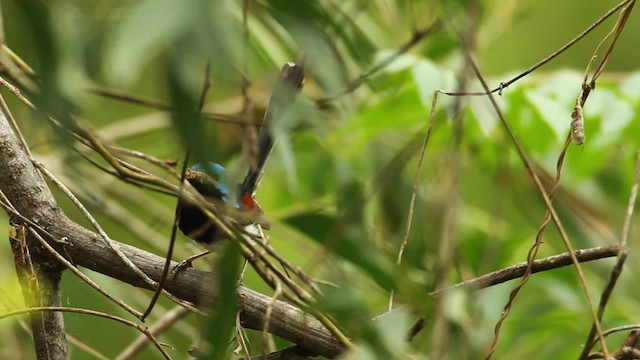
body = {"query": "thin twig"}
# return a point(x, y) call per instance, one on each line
point(140, 328)
point(503, 85)
point(517, 271)
point(577, 124)
point(617, 30)
point(241, 337)
point(156, 104)
point(266, 271)
point(414, 191)
point(540, 265)
point(206, 84)
point(164, 323)
point(14, 125)
point(172, 240)
point(448, 243)
point(267, 319)
point(249, 251)
point(417, 36)
point(533, 250)
point(616, 329)
point(15, 91)
point(288, 266)
point(115, 174)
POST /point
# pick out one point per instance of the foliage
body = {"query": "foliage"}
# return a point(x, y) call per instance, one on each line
point(338, 185)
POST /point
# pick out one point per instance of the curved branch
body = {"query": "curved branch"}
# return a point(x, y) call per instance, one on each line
point(517, 270)
point(29, 194)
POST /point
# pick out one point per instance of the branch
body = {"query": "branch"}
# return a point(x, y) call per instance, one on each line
point(290, 353)
point(517, 270)
point(30, 196)
point(39, 277)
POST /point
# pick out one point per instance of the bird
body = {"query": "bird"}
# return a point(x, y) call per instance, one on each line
point(208, 178)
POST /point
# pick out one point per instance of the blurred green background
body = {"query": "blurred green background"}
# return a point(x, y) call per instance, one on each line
point(338, 185)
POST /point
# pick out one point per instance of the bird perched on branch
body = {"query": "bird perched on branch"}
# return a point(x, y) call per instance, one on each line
point(208, 178)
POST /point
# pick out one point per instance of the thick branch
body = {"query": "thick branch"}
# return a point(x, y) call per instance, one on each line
point(290, 353)
point(48, 327)
point(39, 277)
point(28, 193)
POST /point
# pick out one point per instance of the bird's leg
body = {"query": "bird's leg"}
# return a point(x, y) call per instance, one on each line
point(188, 262)
point(255, 229)
point(242, 272)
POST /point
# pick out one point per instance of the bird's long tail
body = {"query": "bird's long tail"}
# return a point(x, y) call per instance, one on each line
point(284, 93)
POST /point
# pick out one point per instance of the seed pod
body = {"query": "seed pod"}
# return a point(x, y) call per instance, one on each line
point(577, 125)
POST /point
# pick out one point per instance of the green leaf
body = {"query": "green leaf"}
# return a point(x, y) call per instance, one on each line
point(52, 95)
point(209, 29)
point(220, 325)
point(148, 28)
point(352, 245)
point(554, 100)
point(187, 120)
point(393, 113)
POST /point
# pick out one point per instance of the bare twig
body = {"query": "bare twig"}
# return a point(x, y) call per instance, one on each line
point(14, 124)
point(540, 265)
point(577, 123)
point(140, 328)
point(155, 104)
point(449, 238)
point(616, 31)
point(416, 37)
point(516, 271)
point(160, 326)
point(414, 190)
point(267, 319)
point(241, 337)
point(416, 179)
point(616, 329)
point(16, 92)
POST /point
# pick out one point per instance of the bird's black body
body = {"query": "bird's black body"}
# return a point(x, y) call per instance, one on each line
point(196, 225)
point(207, 179)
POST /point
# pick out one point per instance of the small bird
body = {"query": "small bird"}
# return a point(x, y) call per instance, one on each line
point(208, 178)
